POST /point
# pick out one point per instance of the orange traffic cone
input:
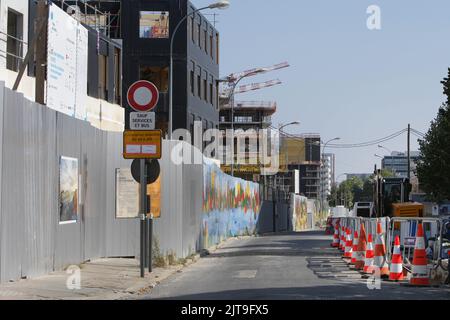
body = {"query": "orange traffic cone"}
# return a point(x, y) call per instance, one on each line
point(342, 242)
point(419, 275)
point(361, 249)
point(396, 269)
point(380, 253)
point(348, 245)
point(368, 261)
point(354, 247)
point(335, 243)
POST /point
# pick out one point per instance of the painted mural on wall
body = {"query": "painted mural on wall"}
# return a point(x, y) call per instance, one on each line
point(299, 207)
point(231, 206)
point(320, 217)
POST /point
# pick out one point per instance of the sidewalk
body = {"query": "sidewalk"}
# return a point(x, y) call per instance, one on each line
point(103, 279)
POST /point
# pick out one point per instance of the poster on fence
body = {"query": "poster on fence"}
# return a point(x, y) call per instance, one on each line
point(127, 196)
point(68, 190)
point(299, 207)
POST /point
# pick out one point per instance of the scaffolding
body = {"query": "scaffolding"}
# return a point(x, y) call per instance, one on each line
point(100, 15)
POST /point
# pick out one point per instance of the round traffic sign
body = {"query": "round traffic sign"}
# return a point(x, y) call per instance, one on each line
point(143, 96)
point(152, 168)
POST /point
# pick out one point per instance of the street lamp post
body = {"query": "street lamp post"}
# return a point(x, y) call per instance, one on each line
point(222, 4)
point(337, 188)
point(321, 165)
point(231, 102)
point(391, 156)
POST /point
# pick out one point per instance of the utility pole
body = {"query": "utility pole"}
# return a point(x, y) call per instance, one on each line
point(409, 152)
point(41, 52)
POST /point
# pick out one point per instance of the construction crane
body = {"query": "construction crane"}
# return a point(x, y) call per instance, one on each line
point(250, 87)
point(253, 72)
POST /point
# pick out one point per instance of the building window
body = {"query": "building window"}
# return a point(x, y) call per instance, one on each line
point(211, 46)
point(154, 25)
point(159, 76)
point(217, 48)
point(192, 78)
point(192, 128)
point(102, 77)
point(196, 36)
point(199, 34)
point(192, 28)
point(14, 43)
point(216, 100)
point(205, 86)
point(211, 91)
point(205, 39)
point(199, 82)
point(117, 76)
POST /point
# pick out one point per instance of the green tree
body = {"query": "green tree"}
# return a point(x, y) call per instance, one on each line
point(350, 191)
point(386, 173)
point(433, 166)
point(367, 191)
point(333, 198)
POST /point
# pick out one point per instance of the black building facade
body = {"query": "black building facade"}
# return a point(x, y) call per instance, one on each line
point(146, 29)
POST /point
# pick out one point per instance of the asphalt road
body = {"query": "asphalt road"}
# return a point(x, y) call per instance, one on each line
point(280, 267)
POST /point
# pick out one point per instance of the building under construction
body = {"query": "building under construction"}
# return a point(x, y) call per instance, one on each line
point(247, 115)
point(101, 15)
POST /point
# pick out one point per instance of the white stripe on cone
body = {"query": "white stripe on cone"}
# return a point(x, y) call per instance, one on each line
point(396, 268)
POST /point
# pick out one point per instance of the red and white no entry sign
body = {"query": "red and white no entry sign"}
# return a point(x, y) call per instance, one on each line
point(143, 96)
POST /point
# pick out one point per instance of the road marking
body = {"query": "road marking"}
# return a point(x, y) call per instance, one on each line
point(245, 274)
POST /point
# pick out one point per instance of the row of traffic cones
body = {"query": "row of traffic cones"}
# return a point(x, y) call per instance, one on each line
point(367, 258)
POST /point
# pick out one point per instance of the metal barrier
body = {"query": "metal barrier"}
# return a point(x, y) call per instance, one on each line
point(436, 234)
point(406, 229)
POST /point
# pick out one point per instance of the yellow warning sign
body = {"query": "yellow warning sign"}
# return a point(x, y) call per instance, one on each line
point(142, 144)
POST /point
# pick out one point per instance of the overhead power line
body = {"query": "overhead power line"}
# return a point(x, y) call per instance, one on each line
point(353, 145)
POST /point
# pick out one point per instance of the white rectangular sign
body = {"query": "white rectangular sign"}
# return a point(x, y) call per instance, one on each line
point(67, 64)
point(127, 195)
point(142, 121)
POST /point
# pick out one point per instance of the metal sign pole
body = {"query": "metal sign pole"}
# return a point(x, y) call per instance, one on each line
point(142, 209)
point(150, 244)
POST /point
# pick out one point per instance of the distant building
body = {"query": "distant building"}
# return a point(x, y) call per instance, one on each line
point(302, 153)
point(397, 162)
point(248, 115)
point(328, 174)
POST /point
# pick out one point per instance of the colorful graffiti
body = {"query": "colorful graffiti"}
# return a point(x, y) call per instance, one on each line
point(306, 214)
point(231, 206)
point(299, 213)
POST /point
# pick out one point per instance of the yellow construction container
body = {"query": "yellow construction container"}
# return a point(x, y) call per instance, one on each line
point(407, 210)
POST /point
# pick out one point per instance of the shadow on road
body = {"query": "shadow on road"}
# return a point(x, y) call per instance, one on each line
point(332, 292)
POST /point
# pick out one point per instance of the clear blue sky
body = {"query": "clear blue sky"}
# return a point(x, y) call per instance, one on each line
point(344, 79)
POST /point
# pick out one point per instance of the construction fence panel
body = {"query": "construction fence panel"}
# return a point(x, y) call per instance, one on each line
point(32, 240)
point(406, 230)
